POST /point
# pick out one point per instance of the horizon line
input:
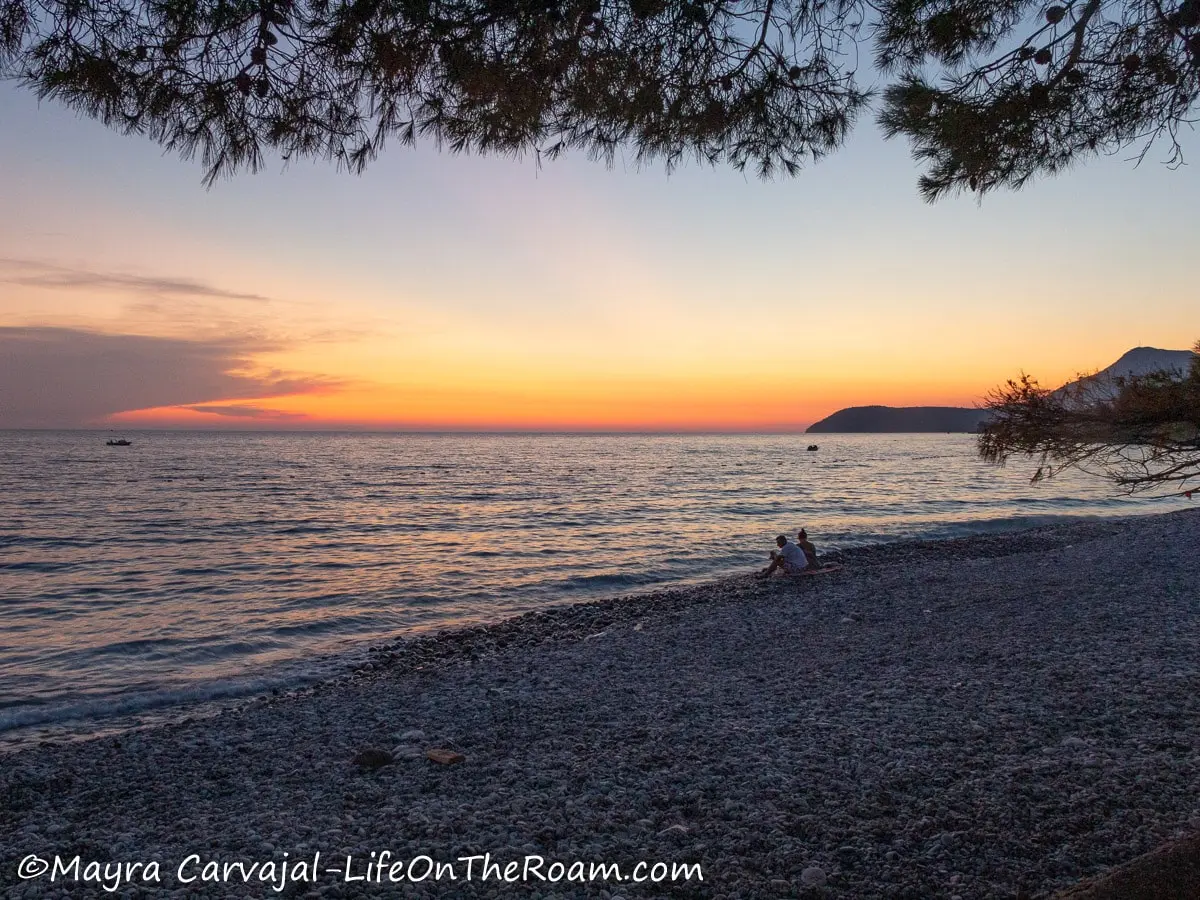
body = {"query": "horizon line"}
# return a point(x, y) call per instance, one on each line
point(491, 432)
point(515, 431)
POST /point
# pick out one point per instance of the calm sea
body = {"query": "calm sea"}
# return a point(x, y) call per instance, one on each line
point(192, 567)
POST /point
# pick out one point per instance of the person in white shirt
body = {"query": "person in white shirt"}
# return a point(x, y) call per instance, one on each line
point(788, 557)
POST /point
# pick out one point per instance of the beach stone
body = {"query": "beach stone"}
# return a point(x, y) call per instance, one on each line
point(813, 876)
point(411, 736)
point(444, 757)
point(372, 758)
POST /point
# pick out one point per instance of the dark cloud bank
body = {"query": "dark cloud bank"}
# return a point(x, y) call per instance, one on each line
point(65, 377)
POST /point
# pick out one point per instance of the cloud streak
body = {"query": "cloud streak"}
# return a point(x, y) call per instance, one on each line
point(247, 412)
point(66, 377)
point(32, 273)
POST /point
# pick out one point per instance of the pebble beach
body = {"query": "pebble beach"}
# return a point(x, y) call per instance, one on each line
point(985, 717)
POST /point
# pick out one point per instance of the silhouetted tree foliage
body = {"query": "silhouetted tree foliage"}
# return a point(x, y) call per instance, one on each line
point(1142, 432)
point(990, 92)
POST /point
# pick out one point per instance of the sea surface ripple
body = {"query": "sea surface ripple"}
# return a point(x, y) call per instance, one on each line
point(196, 566)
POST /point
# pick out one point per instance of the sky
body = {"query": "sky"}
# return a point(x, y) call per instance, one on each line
point(463, 292)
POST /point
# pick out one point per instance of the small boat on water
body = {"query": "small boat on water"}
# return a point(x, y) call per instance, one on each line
point(119, 443)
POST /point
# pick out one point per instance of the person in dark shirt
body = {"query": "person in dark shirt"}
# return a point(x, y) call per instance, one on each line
point(810, 552)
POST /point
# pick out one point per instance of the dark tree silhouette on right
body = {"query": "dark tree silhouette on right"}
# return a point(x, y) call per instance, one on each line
point(1141, 432)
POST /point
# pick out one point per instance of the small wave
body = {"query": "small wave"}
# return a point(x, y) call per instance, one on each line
point(35, 566)
point(592, 582)
point(139, 647)
point(999, 525)
point(105, 708)
point(16, 540)
point(305, 529)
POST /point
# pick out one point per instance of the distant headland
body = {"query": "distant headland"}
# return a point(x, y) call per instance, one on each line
point(885, 419)
point(900, 419)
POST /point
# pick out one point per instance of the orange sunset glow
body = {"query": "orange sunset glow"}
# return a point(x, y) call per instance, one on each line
point(454, 293)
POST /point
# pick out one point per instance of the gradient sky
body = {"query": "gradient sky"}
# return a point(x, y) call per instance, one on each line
point(440, 291)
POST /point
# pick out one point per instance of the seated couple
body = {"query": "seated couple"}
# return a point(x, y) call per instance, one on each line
point(793, 559)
